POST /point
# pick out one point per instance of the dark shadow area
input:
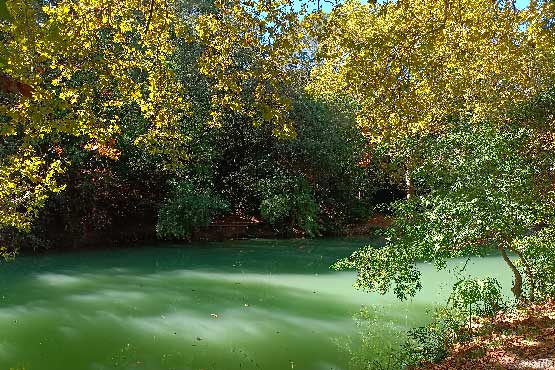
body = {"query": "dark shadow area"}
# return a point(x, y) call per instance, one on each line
point(306, 256)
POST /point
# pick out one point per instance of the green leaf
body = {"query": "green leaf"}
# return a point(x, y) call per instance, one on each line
point(4, 12)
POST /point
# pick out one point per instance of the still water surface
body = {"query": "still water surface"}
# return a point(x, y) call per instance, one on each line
point(259, 304)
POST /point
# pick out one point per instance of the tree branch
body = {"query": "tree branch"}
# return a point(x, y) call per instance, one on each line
point(517, 284)
point(9, 85)
point(150, 11)
point(527, 270)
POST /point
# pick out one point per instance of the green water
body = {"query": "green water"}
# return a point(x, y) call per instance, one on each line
point(236, 305)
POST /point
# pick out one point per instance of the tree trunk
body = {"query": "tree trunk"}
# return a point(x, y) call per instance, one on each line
point(517, 284)
point(409, 184)
point(528, 272)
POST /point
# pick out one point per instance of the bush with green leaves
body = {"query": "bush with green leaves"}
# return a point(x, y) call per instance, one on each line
point(287, 203)
point(402, 350)
point(477, 296)
point(431, 343)
point(367, 353)
point(186, 210)
point(424, 344)
point(538, 250)
point(451, 324)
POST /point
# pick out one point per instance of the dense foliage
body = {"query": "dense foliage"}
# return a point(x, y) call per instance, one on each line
point(126, 120)
point(132, 98)
point(478, 186)
point(187, 209)
point(477, 181)
point(86, 64)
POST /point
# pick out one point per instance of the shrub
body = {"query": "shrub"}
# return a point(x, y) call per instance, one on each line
point(431, 343)
point(288, 202)
point(369, 353)
point(186, 210)
point(538, 250)
point(482, 295)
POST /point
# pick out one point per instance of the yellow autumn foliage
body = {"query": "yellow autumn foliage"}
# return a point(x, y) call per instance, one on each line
point(84, 61)
point(409, 65)
point(249, 50)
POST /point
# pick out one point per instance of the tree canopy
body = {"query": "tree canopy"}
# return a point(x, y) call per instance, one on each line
point(274, 109)
point(410, 65)
point(85, 63)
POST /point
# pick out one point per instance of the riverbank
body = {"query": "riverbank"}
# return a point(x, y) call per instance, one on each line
point(143, 232)
point(235, 227)
point(518, 340)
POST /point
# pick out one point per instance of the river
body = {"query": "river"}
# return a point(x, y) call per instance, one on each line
point(258, 304)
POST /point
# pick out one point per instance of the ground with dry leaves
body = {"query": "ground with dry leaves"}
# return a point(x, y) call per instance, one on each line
point(523, 339)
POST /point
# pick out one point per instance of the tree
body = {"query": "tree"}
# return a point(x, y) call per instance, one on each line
point(434, 85)
point(479, 186)
point(408, 66)
point(257, 166)
point(249, 50)
point(86, 63)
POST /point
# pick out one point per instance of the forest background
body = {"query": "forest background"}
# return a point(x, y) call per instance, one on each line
point(125, 121)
